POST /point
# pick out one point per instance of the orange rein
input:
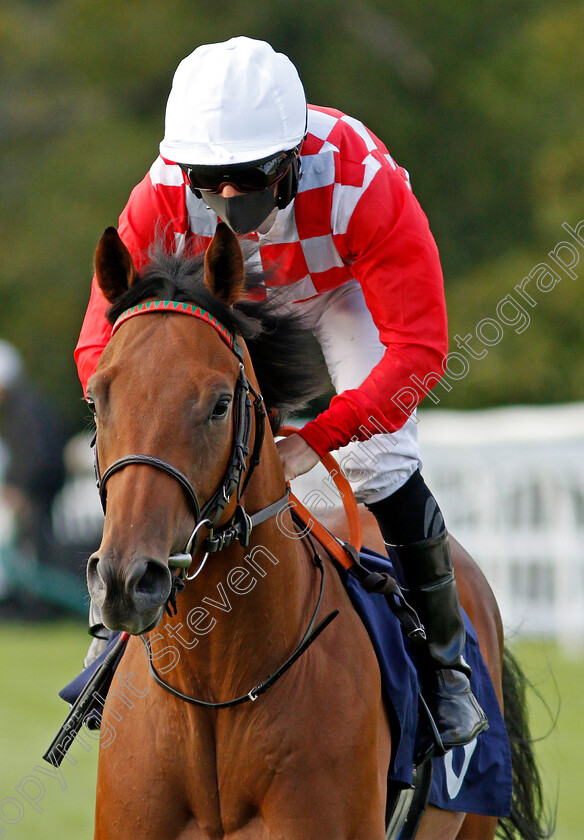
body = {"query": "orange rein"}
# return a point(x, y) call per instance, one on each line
point(349, 503)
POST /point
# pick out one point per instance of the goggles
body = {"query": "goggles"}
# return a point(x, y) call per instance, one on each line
point(255, 176)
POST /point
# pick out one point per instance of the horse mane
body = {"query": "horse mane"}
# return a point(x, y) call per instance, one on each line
point(285, 355)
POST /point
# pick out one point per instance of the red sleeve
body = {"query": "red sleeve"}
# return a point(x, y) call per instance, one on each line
point(95, 334)
point(154, 209)
point(395, 259)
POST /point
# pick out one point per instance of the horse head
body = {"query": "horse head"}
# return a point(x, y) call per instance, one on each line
point(163, 393)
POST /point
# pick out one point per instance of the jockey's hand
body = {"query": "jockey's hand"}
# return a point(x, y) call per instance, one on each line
point(297, 456)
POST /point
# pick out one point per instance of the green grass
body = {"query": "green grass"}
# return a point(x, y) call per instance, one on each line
point(556, 719)
point(37, 661)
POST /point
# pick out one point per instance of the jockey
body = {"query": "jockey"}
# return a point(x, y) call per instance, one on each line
point(335, 215)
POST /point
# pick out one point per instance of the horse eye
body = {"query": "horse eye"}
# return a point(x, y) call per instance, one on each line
point(91, 405)
point(221, 408)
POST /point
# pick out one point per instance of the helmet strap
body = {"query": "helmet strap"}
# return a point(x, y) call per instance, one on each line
point(288, 185)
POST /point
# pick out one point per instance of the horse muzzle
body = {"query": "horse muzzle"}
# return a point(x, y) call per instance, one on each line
point(131, 597)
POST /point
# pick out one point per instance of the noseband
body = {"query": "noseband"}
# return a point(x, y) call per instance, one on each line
point(235, 478)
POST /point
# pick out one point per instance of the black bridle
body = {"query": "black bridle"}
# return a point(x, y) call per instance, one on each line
point(235, 480)
point(237, 473)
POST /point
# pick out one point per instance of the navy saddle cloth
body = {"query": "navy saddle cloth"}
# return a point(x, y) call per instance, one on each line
point(475, 778)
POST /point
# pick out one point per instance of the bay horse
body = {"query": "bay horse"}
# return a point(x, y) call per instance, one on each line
point(179, 416)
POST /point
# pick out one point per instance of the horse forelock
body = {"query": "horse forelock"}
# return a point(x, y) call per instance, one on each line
point(285, 355)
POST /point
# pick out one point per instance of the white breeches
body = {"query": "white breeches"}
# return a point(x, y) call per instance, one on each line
point(351, 347)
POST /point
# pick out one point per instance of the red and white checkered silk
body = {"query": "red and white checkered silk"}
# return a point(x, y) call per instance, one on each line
point(354, 217)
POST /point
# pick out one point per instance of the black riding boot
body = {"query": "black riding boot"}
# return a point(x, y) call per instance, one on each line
point(427, 577)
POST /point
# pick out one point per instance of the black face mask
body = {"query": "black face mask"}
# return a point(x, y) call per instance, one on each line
point(242, 213)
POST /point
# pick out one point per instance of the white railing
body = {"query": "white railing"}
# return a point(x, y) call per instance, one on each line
point(510, 483)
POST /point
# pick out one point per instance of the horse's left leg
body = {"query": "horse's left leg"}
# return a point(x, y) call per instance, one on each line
point(441, 825)
point(451, 825)
point(477, 827)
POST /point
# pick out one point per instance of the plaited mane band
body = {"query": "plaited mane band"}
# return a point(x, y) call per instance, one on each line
point(182, 309)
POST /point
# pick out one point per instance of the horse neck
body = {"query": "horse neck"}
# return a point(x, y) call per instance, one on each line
point(243, 615)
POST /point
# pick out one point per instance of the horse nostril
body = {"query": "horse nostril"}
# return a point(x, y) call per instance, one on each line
point(95, 582)
point(152, 583)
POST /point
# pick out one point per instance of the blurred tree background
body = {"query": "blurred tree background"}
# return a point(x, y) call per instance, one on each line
point(482, 103)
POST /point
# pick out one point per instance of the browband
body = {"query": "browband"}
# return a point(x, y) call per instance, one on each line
point(181, 309)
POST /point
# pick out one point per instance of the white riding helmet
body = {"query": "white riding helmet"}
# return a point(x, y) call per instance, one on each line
point(233, 102)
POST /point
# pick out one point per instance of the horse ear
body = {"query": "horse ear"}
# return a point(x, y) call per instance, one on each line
point(114, 267)
point(224, 271)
